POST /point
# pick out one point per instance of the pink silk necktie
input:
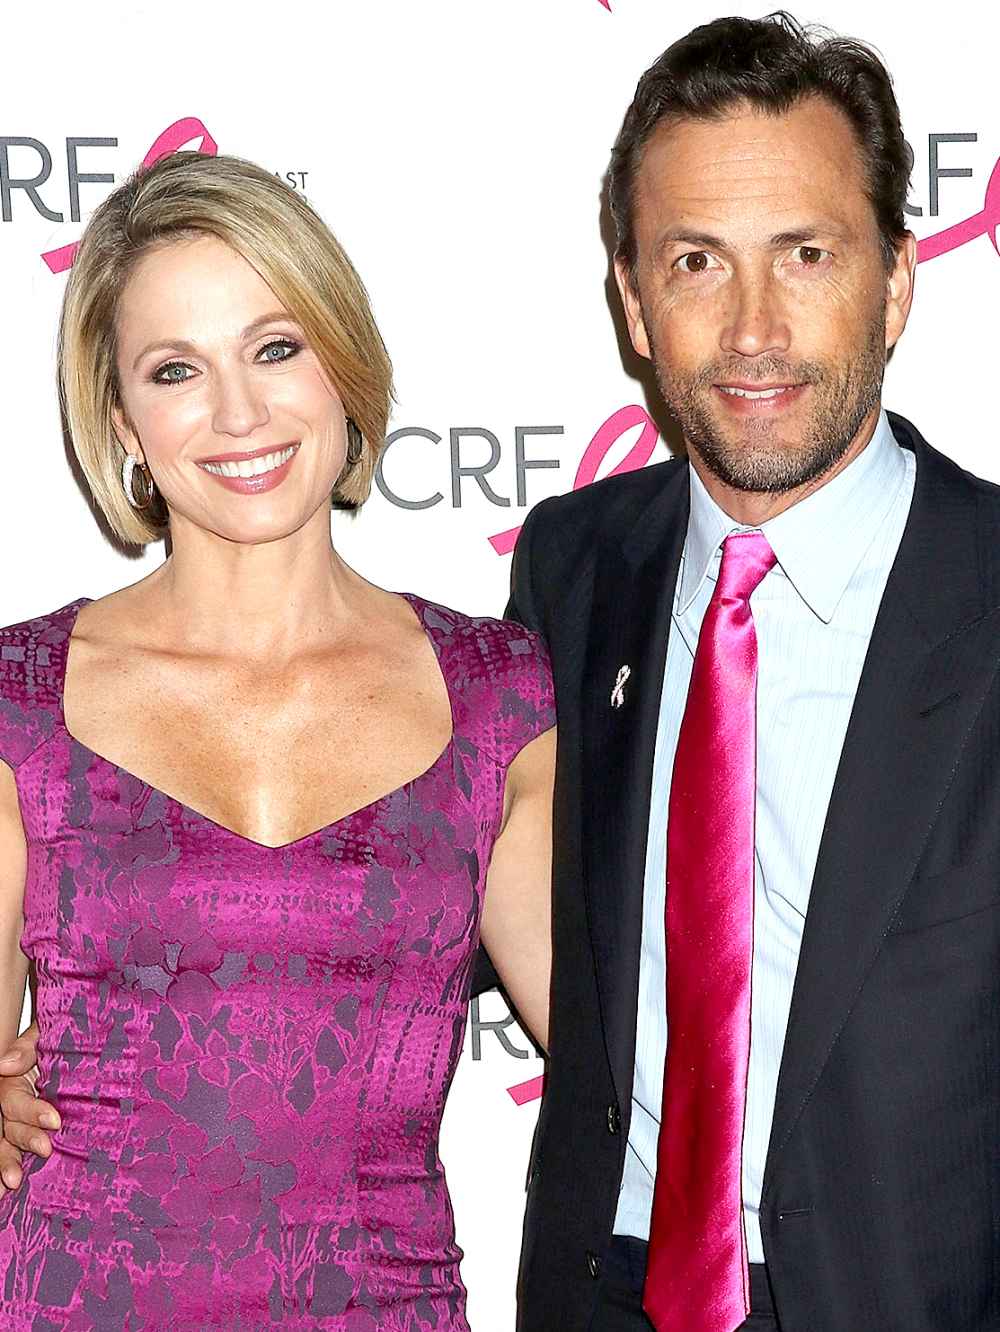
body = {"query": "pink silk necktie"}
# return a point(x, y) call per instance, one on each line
point(697, 1278)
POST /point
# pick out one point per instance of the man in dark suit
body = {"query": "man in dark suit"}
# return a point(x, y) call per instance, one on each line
point(758, 186)
point(776, 669)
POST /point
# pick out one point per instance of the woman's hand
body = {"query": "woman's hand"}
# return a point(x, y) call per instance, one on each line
point(25, 1115)
point(517, 914)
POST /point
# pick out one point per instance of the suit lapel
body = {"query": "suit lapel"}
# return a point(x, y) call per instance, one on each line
point(634, 584)
point(933, 655)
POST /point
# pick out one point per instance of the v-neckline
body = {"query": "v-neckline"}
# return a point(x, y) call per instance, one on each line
point(416, 604)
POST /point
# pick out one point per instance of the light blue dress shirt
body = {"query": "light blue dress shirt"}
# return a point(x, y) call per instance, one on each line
point(814, 614)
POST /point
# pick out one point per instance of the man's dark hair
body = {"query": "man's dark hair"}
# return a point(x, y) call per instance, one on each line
point(769, 64)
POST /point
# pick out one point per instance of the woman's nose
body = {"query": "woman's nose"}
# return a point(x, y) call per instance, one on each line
point(240, 405)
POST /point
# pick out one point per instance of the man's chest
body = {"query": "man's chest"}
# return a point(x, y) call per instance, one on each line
point(808, 674)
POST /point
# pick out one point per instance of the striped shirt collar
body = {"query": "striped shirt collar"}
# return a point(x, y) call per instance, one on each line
point(818, 542)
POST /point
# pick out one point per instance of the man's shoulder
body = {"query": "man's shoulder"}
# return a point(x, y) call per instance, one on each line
point(610, 506)
point(943, 473)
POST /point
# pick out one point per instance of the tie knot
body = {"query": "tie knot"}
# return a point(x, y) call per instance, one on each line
point(746, 558)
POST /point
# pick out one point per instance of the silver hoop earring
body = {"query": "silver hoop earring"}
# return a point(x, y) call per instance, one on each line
point(130, 465)
point(355, 443)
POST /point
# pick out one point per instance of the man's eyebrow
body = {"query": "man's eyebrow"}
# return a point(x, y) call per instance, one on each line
point(803, 235)
point(685, 236)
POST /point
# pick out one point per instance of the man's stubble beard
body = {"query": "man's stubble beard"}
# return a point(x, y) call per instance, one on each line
point(773, 465)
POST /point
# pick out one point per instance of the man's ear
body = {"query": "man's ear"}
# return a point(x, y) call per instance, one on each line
point(629, 292)
point(899, 290)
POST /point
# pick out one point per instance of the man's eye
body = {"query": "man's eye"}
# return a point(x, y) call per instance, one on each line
point(697, 261)
point(283, 349)
point(810, 255)
point(174, 372)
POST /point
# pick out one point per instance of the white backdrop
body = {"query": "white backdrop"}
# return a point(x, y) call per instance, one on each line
point(457, 149)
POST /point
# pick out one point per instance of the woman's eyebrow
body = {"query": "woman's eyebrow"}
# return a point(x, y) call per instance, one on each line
point(182, 344)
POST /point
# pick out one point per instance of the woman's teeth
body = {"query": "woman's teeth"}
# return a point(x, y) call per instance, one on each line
point(248, 467)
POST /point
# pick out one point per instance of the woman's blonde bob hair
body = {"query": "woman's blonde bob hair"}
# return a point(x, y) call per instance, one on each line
point(182, 196)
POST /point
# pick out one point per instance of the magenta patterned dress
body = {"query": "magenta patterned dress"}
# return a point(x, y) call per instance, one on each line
point(250, 1047)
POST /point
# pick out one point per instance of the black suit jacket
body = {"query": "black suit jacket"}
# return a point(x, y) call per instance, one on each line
point(881, 1201)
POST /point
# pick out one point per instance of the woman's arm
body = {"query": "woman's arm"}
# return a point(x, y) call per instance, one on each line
point(13, 963)
point(25, 1115)
point(22, 1112)
point(517, 914)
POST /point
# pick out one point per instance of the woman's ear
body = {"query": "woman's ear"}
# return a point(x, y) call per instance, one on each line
point(125, 435)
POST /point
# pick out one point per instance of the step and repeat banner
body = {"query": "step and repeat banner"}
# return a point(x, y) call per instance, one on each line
point(457, 148)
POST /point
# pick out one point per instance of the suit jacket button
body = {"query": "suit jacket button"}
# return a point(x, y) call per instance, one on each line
point(614, 1119)
point(593, 1265)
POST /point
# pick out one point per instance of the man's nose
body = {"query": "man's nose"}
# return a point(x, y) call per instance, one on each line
point(757, 321)
point(240, 404)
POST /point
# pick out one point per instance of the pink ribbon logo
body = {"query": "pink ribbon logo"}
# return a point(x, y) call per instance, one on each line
point(175, 136)
point(625, 418)
point(985, 223)
point(524, 1092)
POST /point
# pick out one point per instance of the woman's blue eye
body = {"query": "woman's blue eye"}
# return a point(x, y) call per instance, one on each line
point(273, 353)
point(284, 349)
point(174, 372)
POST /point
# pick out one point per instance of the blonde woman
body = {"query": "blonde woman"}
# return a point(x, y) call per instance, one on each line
point(254, 811)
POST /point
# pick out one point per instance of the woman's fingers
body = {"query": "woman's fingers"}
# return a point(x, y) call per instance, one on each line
point(25, 1119)
point(10, 1167)
point(21, 1055)
point(27, 1138)
point(20, 1105)
point(25, 1116)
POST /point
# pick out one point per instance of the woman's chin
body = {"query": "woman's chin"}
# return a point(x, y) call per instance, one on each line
point(255, 527)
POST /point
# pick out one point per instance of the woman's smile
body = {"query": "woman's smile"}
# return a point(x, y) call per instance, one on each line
point(251, 473)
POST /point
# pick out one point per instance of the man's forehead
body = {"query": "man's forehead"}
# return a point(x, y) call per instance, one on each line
point(750, 156)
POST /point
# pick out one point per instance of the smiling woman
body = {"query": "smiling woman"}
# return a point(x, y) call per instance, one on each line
point(236, 377)
point(255, 813)
point(189, 196)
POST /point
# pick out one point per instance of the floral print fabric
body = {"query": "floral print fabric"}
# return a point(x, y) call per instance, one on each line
point(250, 1047)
